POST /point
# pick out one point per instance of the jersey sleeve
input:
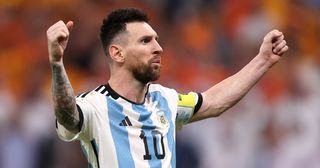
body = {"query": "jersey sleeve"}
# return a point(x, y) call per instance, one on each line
point(86, 111)
point(188, 105)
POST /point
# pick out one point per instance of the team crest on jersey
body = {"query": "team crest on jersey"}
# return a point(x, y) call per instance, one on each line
point(162, 119)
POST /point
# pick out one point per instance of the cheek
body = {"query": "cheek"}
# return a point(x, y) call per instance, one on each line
point(138, 55)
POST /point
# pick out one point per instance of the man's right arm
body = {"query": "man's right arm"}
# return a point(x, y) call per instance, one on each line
point(62, 92)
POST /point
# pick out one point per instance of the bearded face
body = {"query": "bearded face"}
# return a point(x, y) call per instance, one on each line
point(146, 72)
point(142, 52)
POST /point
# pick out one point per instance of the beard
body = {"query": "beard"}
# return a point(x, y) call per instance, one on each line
point(145, 73)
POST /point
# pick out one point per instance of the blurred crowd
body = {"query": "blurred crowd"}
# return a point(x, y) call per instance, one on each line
point(277, 125)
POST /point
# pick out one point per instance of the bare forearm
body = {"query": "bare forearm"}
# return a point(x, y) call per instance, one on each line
point(236, 86)
point(64, 99)
point(227, 93)
point(230, 91)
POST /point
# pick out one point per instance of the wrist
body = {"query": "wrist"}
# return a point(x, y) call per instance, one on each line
point(260, 64)
point(264, 61)
point(55, 56)
point(56, 63)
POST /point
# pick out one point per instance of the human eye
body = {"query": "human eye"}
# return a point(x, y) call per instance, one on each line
point(145, 40)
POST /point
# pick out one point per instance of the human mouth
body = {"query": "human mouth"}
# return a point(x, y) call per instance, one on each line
point(156, 61)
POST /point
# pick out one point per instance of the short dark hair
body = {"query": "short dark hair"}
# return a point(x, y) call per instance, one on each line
point(115, 23)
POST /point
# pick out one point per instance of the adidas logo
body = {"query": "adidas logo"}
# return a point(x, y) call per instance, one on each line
point(125, 122)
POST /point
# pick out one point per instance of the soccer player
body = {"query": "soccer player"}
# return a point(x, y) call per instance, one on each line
point(131, 122)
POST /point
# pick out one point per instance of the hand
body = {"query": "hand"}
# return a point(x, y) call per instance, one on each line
point(58, 35)
point(273, 47)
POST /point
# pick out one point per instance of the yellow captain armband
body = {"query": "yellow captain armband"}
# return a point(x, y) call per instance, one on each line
point(186, 106)
point(188, 100)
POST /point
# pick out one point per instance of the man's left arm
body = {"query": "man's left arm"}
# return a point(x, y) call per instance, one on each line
point(228, 92)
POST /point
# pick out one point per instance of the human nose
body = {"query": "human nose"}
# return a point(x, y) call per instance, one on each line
point(158, 48)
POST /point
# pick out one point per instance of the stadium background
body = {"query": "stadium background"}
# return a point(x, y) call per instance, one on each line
point(277, 125)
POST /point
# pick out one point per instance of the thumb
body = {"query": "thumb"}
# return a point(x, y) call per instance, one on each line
point(69, 25)
point(272, 36)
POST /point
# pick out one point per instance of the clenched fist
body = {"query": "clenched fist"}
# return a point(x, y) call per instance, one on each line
point(58, 35)
point(273, 47)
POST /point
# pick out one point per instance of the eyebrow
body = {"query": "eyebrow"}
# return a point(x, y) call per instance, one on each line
point(149, 36)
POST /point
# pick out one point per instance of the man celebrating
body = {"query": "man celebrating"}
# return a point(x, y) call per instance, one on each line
point(131, 122)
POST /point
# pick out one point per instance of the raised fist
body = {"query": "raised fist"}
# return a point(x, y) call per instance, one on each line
point(273, 47)
point(58, 35)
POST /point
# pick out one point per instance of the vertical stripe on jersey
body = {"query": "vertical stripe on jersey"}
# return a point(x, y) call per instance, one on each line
point(119, 134)
point(147, 127)
point(95, 150)
point(170, 136)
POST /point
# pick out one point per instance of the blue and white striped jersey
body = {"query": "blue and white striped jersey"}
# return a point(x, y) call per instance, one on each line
point(118, 133)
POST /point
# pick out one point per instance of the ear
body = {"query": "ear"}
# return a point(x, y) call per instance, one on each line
point(115, 52)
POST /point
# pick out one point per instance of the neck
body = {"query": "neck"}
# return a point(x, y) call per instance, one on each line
point(129, 88)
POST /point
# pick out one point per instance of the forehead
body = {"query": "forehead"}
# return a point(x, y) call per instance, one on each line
point(139, 29)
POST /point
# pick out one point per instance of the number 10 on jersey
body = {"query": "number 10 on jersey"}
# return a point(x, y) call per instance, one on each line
point(157, 138)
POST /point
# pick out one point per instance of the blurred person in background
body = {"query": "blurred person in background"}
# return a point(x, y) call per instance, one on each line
point(131, 122)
